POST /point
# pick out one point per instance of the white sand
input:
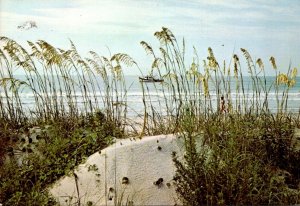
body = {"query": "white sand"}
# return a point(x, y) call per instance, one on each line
point(139, 160)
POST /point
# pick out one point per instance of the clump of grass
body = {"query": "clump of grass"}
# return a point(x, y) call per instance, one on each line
point(65, 86)
point(83, 99)
point(200, 86)
point(57, 153)
point(243, 155)
point(60, 80)
point(241, 160)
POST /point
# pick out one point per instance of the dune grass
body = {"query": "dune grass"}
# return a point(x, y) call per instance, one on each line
point(245, 160)
point(248, 153)
point(60, 80)
point(252, 158)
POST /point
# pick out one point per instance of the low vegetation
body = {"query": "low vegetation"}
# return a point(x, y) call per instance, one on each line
point(61, 147)
point(245, 160)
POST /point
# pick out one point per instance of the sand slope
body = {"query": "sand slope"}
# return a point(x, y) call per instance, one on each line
point(143, 162)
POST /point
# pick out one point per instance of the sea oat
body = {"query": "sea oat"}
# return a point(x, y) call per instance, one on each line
point(272, 60)
point(282, 79)
point(294, 73)
point(260, 63)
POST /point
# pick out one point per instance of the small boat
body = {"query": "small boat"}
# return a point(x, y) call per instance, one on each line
point(150, 79)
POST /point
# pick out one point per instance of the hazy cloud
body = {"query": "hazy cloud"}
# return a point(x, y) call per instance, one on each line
point(269, 26)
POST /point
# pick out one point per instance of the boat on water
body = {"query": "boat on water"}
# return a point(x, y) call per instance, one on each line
point(150, 79)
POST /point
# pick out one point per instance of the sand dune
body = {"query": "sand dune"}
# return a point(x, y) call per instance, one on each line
point(138, 172)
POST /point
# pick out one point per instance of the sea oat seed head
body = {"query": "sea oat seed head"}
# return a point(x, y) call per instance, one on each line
point(294, 73)
point(282, 79)
point(272, 60)
point(260, 63)
point(291, 83)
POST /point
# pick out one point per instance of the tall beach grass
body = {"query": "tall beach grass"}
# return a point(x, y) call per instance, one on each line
point(248, 152)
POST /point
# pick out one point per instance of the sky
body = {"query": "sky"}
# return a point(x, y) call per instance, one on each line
point(264, 27)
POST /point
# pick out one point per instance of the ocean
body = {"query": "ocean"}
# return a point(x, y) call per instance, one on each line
point(157, 96)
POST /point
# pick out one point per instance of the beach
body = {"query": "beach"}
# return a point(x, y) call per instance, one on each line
point(78, 130)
